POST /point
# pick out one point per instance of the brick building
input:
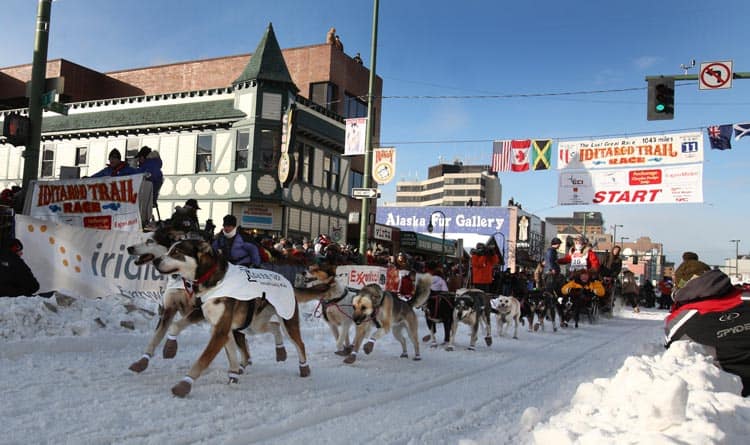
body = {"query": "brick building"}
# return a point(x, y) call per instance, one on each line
point(217, 124)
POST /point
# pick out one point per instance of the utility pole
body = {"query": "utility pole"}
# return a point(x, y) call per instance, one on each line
point(38, 75)
point(364, 217)
point(736, 257)
point(614, 235)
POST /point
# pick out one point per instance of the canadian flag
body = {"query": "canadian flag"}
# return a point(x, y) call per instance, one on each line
point(520, 156)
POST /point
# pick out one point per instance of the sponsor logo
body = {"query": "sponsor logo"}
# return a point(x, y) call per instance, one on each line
point(740, 328)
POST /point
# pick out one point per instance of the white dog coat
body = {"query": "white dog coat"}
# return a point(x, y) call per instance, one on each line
point(245, 284)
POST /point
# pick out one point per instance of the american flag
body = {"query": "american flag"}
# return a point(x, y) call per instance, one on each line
point(501, 151)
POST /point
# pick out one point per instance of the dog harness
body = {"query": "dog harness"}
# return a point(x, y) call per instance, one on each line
point(324, 304)
point(192, 286)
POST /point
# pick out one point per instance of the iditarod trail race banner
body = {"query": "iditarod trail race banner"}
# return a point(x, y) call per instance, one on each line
point(641, 151)
point(107, 203)
point(653, 185)
point(86, 262)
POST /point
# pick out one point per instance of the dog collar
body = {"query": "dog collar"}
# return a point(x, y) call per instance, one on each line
point(191, 286)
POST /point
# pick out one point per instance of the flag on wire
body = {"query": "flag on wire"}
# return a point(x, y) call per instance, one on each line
point(542, 156)
point(741, 130)
point(720, 137)
point(520, 156)
point(501, 151)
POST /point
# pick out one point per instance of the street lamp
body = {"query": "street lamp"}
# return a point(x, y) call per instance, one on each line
point(614, 235)
point(430, 227)
point(736, 256)
point(622, 241)
point(591, 214)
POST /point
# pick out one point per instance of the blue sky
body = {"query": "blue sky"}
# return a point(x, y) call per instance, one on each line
point(471, 48)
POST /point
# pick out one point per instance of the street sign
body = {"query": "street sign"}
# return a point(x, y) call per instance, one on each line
point(59, 108)
point(715, 75)
point(48, 98)
point(364, 193)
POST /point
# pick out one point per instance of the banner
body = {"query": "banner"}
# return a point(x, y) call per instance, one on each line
point(107, 203)
point(474, 220)
point(383, 165)
point(659, 185)
point(355, 136)
point(87, 262)
point(641, 151)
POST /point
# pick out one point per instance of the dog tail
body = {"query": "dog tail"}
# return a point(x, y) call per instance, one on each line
point(422, 290)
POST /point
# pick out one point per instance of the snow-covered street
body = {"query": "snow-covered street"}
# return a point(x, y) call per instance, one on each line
point(66, 380)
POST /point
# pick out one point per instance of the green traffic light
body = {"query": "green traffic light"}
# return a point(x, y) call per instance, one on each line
point(660, 107)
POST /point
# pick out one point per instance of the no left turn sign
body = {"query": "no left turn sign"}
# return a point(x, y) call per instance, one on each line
point(715, 75)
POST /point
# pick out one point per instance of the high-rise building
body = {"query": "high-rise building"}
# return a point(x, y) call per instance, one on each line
point(451, 185)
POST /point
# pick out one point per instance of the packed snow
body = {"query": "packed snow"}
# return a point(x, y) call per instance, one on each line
point(66, 380)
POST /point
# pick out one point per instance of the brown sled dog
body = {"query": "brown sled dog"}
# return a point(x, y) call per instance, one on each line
point(196, 261)
point(374, 306)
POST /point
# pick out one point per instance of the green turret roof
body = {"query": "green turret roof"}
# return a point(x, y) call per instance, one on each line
point(267, 63)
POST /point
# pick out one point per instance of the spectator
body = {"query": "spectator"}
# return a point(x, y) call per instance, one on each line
point(630, 290)
point(231, 244)
point(116, 166)
point(406, 288)
point(16, 278)
point(186, 217)
point(483, 261)
point(709, 310)
point(612, 264)
point(150, 163)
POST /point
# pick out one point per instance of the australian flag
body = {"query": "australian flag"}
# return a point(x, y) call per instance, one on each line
point(720, 137)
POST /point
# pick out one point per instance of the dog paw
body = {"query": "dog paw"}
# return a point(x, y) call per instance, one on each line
point(417, 358)
point(488, 340)
point(404, 355)
point(426, 338)
point(350, 359)
point(515, 337)
point(342, 353)
point(348, 349)
point(433, 345)
point(170, 349)
point(368, 347)
point(471, 348)
point(140, 365)
point(304, 371)
point(281, 354)
point(536, 327)
point(449, 348)
point(182, 389)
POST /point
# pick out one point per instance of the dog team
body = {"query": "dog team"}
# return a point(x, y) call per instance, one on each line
point(203, 285)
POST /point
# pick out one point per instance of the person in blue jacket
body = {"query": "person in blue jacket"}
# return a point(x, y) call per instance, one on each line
point(149, 162)
point(232, 246)
point(116, 166)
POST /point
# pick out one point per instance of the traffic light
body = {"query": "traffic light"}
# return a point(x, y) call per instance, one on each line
point(16, 129)
point(660, 99)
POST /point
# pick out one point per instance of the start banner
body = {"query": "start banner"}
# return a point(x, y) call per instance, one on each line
point(108, 203)
point(658, 185)
point(641, 151)
point(86, 262)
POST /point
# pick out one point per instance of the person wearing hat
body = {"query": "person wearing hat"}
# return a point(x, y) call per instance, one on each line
point(149, 162)
point(483, 262)
point(580, 256)
point(116, 166)
point(185, 218)
point(232, 246)
point(16, 278)
point(709, 310)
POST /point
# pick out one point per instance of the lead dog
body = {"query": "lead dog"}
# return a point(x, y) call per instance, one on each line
point(506, 310)
point(374, 306)
point(220, 287)
point(471, 307)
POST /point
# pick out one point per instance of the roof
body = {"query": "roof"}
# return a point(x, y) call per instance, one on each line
point(216, 110)
point(267, 63)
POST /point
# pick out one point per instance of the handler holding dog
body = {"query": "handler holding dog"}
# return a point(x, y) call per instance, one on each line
point(234, 247)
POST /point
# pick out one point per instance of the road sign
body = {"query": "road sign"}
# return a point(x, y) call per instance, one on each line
point(48, 98)
point(363, 193)
point(59, 108)
point(715, 75)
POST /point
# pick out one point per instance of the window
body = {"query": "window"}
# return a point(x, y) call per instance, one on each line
point(354, 106)
point(203, 152)
point(48, 161)
point(82, 156)
point(265, 152)
point(131, 151)
point(242, 150)
point(325, 94)
point(306, 162)
point(356, 179)
point(331, 170)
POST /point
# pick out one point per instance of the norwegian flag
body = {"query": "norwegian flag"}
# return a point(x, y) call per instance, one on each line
point(520, 155)
point(501, 151)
